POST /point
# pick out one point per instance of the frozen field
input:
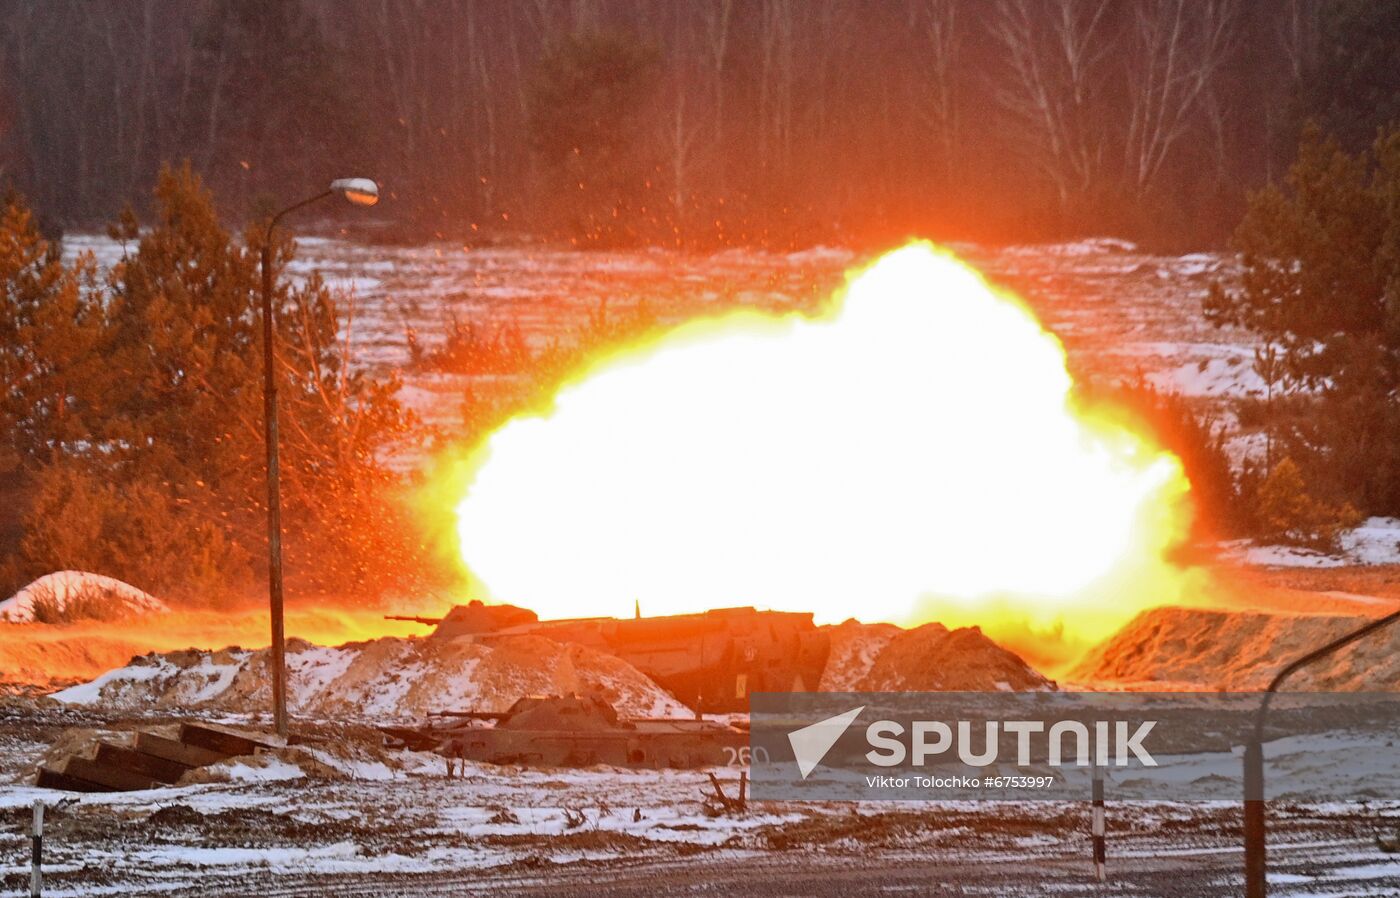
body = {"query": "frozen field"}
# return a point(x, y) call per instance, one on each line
point(1119, 311)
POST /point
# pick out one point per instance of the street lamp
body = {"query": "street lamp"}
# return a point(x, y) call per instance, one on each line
point(1255, 873)
point(361, 192)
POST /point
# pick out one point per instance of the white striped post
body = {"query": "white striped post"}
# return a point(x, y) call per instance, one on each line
point(36, 858)
point(1100, 849)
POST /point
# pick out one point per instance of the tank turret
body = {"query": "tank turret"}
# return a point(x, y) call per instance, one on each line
point(473, 618)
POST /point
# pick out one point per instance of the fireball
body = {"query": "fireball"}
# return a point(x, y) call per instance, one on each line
point(912, 453)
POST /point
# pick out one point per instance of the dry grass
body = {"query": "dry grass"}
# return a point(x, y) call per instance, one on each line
point(90, 602)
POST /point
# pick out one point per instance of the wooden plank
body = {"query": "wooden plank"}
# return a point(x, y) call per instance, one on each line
point(133, 761)
point(226, 742)
point(49, 778)
point(116, 778)
point(179, 752)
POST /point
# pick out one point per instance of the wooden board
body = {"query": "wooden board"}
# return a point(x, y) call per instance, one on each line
point(55, 779)
point(114, 777)
point(179, 752)
point(140, 763)
point(224, 741)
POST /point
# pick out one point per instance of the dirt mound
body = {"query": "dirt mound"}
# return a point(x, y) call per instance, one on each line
point(37, 658)
point(67, 596)
point(1188, 648)
point(854, 648)
point(387, 678)
point(933, 658)
point(345, 760)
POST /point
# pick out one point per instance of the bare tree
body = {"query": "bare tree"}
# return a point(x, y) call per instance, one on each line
point(1217, 114)
point(830, 109)
point(715, 18)
point(826, 35)
point(776, 43)
point(1056, 51)
point(1177, 49)
point(681, 128)
point(1299, 32)
point(683, 135)
point(937, 23)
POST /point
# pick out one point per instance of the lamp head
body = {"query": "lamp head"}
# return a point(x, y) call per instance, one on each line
point(360, 191)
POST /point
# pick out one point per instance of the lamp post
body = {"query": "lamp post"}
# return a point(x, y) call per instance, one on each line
point(361, 192)
point(1255, 869)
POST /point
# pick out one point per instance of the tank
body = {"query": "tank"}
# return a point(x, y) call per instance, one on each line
point(570, 731)
point(710, 661)
point(473, 618)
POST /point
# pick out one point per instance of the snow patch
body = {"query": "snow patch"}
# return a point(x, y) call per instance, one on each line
point(383, 679)
point(1214, 377)
point(266, 769)
point(79, 593)
point(1375, 541)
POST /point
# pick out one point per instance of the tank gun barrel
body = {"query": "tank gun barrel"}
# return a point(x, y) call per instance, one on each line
point(429, 621)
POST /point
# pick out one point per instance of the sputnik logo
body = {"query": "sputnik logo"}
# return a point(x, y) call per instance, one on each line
point(811, 743)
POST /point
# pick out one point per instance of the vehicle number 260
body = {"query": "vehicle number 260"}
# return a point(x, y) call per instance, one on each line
point(744, 756)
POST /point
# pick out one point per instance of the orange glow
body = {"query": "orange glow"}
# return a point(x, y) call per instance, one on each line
point(60, 653)
point(911, 454)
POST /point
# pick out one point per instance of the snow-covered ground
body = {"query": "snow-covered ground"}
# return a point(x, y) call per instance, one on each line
point(374, 819)
point(1375, 541)
point(355, 819)
point(424, 834)
point(78, 593)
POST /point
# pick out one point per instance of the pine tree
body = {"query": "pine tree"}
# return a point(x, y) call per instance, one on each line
point(162, 481)
point(1321, 282)
point(57, 384)
point(81, 518)
point(186, 340)
point(53, 331)
point(1288, 514)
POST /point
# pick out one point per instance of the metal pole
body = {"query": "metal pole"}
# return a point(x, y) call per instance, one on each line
point(1255, 823)
point(274, 493)
point(274, 501)
point(1255, 843)
point(1100, 845)
point(36, 861)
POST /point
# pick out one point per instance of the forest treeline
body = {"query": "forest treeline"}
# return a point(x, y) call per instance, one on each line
point(713, 122)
